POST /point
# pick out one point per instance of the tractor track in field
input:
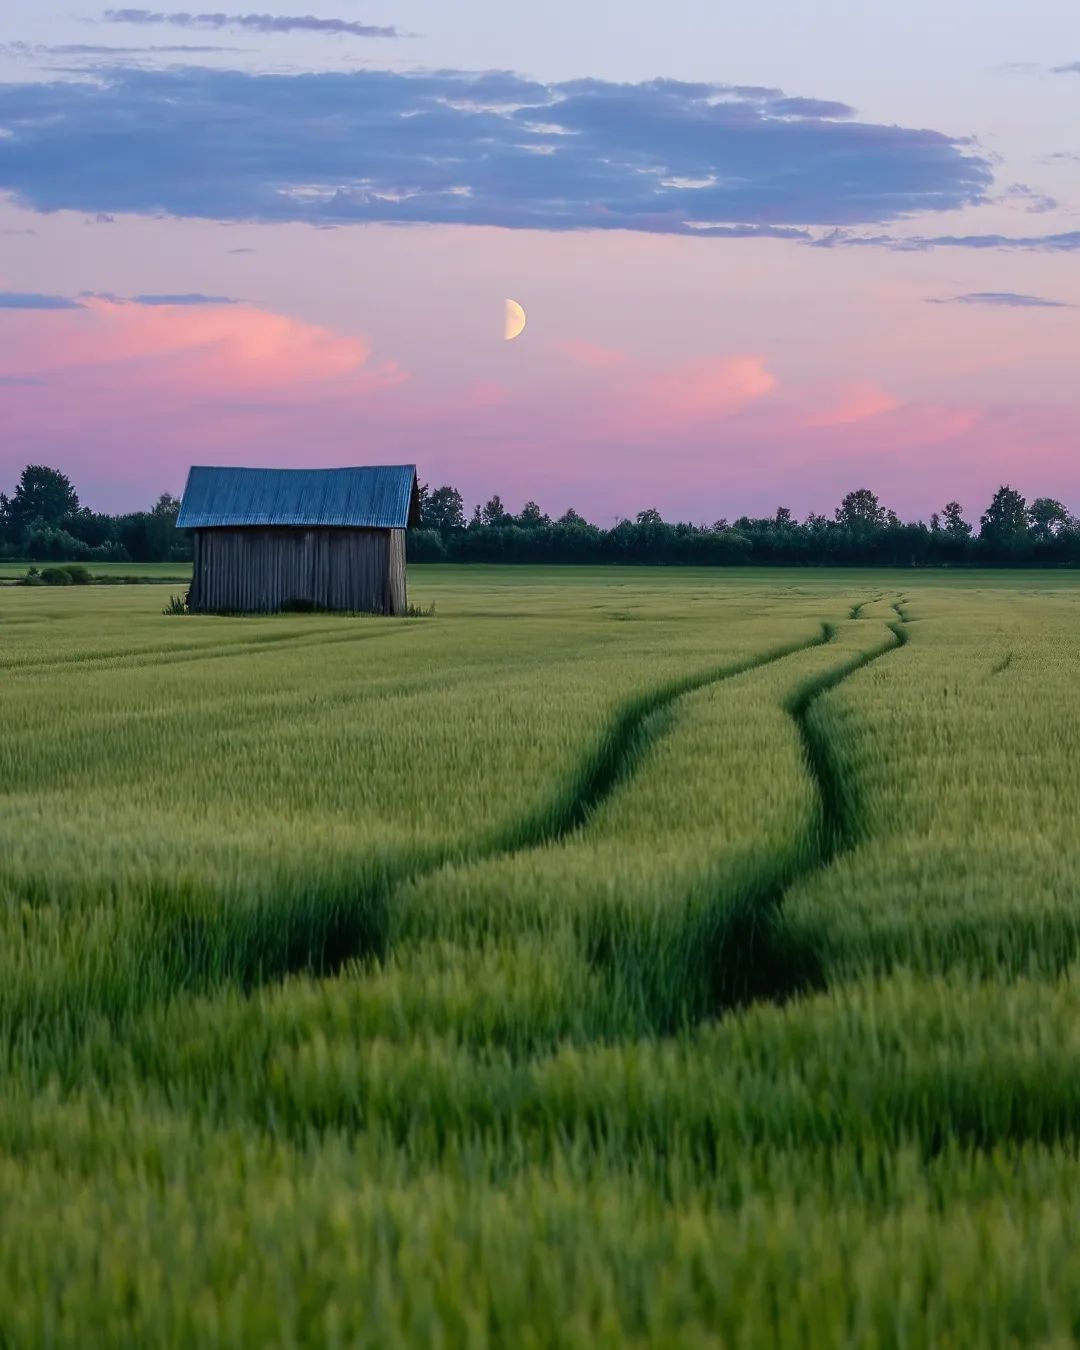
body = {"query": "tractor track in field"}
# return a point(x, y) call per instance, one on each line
point(750, 954)
point(838, 827)
point(740, 951)
point(134, 657)
point(354, 921)
point(633, 730)
point(759, 957)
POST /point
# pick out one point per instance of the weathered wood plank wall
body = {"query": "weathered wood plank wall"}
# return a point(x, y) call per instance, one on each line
point(257, 570)
point(398, 596)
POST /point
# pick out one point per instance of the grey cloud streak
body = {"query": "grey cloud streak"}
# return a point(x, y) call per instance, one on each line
point(186, 298)
point(251, 23)
point(31, 50)
point(1004, 299)
point(1066, 242)
point(35, 300)
point(40, 301)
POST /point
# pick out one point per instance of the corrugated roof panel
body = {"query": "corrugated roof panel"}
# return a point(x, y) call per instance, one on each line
point(370, 497)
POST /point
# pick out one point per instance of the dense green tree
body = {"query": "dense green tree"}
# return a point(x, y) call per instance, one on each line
point(1005, 520)
point(52, 543)
point(94, 528)
point(530, 516)
point(41, 494)
point(955, 524)
point(1048, 517)
point(493, 512)
point(425, 545)
point(861, 512)
point(445, 510)
point(163, 537)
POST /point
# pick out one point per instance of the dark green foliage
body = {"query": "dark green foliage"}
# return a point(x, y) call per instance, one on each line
point(531, 516)
point(494, 513)
point(953, 521)
point(1006, 519)
point(46, 542)
point(863, 532)
point(861, 512)
point(41, 494)
point(55, 576)
point(442, 509)
point(1048, 517)
point(425, 546)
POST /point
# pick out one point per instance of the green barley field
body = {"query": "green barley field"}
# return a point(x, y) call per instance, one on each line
point(616, 958)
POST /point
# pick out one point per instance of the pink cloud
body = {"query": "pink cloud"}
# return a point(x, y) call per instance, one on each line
point(852, 403)
point(136, 393)
point(208, 350)
point(590, 354)
point(701, 390)
point(624, 399)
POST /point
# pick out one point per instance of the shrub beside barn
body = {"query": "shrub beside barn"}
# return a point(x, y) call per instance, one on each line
point(273, 539)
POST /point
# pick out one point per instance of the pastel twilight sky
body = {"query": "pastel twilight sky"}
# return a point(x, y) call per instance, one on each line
point(768, 252)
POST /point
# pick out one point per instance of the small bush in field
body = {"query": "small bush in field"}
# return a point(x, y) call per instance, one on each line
point(55, 576)
point(32, 578)
point(79, 575)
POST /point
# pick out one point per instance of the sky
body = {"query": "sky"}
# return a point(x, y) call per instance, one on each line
point(768, 252)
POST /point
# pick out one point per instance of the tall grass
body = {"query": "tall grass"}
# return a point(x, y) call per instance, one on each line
point(619, 960)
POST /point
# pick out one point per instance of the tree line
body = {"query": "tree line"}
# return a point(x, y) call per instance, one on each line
point(861, 531)
point(43, 520)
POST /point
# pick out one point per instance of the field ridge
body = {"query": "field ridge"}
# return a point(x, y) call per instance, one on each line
point(762, 956)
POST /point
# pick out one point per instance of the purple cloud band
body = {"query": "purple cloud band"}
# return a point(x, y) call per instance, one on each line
point(449, 147)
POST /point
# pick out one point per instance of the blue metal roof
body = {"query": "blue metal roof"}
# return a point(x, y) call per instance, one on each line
point(379, 497)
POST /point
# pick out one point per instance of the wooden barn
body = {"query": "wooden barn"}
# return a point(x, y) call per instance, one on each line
point(271, 539)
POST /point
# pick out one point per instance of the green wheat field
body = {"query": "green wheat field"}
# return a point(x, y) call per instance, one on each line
point(615, 958)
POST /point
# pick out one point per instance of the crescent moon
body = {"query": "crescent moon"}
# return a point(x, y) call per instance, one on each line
point(515, 321)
